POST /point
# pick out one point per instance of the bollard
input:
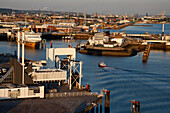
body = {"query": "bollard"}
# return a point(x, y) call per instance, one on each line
point(107, 101)
point(70, 46)
point(87, 86)
point(51, 44)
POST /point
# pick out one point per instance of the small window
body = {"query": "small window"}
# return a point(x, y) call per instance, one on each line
point(36, 90)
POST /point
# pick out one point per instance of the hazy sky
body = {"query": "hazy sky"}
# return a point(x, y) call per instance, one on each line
point(91, 6)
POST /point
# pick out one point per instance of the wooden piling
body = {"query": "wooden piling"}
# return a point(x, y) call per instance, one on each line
point(42, 44)
point(45, 42)
point(107, 101)
point(91, 106)
point(92, 110)
point(97, 108)
point(146, 53)
point(101, 106)
point(135, 106)
point(138, 106)
point(87, 111)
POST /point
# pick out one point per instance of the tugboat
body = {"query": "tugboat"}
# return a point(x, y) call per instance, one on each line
point(102, 64)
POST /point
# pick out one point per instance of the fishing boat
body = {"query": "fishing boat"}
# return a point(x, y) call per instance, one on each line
point(102, 64)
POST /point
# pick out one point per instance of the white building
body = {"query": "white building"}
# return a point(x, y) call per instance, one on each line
point(68, 24)
point(98, 39)
point(19, 91)
point(119, 41)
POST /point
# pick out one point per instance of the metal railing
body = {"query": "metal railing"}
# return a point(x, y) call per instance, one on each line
point(71, 94)
point(9, 71)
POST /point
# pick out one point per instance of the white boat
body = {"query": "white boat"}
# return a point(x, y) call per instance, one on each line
point(102, 64)
point(32, 39)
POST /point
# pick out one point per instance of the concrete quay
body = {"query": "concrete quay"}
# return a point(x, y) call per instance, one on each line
point(57, 97)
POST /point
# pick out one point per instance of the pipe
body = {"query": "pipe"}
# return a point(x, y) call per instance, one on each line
point(23, 57)
point(162, 31)
point(70, 75)
point(19, 46)
point(80, 75)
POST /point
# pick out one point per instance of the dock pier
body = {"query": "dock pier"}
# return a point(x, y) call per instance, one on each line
point(57, 93)
point(146, 53)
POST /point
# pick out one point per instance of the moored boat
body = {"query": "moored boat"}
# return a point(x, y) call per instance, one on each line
point(32, 39)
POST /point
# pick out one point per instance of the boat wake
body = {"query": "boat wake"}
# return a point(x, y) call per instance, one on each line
point(133, 74)
point(128, 71)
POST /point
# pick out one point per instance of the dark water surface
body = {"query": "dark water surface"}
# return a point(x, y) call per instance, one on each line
point(126, 77)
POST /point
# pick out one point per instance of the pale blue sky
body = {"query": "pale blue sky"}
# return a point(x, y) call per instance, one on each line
point(91, 6)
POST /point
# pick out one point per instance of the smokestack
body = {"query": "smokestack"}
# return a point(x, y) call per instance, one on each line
point(147, 14)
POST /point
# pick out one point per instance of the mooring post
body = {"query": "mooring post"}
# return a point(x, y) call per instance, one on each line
point(92, 110)
point(107, 101)
point(87, 111)
point(138, 106)
point(97, 108)
point(45, 42)
point(135, 106)
point(101, 106)
point(42, 44)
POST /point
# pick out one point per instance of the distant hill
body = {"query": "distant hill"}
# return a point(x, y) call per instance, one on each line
point(5, 10)
point(19, 11)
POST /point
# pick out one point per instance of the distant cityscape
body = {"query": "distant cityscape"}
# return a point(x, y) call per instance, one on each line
point(82, 21)
point(57, 81)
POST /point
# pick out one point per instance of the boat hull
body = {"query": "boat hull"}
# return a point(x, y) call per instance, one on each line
point(32, 44)
point(102, 66)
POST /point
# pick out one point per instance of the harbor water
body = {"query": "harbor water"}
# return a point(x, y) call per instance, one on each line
point(128, 78)
point(150, 28)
